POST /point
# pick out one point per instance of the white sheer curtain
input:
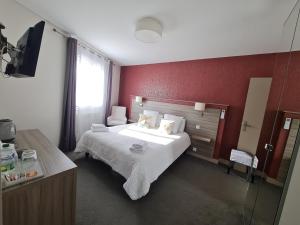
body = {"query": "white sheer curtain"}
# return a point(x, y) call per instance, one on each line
point(91, 89)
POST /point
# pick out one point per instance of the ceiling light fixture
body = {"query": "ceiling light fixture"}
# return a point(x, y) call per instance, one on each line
point(148, 30)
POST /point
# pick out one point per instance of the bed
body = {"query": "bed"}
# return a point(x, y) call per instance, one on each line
point(139, 169)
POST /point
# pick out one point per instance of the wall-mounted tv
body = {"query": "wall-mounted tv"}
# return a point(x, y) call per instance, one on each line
point(26, 53)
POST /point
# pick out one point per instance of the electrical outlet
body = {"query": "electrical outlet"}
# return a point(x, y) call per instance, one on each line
point(198, 126)
point(194, 149)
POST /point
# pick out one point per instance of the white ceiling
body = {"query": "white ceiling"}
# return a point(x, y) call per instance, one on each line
point(193, 29)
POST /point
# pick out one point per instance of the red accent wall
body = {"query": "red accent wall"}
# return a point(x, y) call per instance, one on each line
point(220, 80)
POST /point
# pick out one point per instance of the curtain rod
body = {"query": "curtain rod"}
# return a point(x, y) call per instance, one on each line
point(61, 33)
point(84, 45)
point(66, 35)
point(93, 51)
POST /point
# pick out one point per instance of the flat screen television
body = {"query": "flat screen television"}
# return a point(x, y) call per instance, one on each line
point(23, 64)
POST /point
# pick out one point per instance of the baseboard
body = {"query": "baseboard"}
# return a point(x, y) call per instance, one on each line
point(214, 161)
point(224, 162)
point(274, 182)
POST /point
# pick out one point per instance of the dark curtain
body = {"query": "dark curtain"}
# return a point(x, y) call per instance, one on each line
point(67, 136)
point(109, 84)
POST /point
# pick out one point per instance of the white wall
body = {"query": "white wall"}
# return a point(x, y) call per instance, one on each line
point(290, 213)
point(34, 102)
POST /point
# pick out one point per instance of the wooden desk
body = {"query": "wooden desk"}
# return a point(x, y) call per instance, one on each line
point(50, 200)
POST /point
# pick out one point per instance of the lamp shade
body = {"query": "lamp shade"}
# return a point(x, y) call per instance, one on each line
point(138, 99)
point(199, 106)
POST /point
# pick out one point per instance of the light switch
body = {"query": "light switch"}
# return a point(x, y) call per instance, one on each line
point(287, 123)
point(222, 117)
point(198, 126)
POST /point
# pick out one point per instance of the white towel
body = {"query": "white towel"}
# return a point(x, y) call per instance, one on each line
point(99, 128)
point(97, 125)
point(104, 129)
point(243, 158)
point(137, 148)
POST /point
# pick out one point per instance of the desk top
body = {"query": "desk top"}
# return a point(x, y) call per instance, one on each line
point(52, 160)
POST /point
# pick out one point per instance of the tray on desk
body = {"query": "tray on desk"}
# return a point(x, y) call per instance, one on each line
point(24, 171)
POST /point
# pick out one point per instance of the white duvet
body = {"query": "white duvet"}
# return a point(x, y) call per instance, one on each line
point(139, 169)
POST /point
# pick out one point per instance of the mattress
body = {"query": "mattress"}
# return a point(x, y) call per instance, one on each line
point(139, 169)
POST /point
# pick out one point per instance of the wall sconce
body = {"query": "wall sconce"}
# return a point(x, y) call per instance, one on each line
point(199, 106)
point(139, 100)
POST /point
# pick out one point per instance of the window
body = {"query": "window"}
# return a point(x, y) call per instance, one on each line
point(90, 80)
point(91, 89)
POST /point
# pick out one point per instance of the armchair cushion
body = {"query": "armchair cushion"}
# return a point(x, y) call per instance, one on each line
point(117, 117)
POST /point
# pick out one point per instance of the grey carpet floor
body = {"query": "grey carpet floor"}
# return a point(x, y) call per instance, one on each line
point(190, 192)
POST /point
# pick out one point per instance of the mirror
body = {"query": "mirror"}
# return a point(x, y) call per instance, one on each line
point(264, 197)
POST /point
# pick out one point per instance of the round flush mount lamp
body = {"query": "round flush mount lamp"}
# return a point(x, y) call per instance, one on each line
point(148, 30)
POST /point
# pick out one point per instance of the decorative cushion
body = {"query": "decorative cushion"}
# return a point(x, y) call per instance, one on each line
point(176, 119)
point(145, 121)
point(154, 116)
point(166, 126)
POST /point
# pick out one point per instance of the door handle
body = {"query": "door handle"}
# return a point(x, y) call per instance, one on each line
point(269, 147)
point(245, 125)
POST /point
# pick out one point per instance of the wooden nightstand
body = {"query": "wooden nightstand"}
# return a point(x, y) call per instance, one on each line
point(202, 147)
point(200, 138)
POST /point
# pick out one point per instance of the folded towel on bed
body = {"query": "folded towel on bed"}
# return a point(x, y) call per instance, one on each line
point(137, 148)
point(99, 128)
point(98, 125)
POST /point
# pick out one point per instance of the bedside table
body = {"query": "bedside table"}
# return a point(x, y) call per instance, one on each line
point(200, 138)
point(131, 121)
point(201, 146)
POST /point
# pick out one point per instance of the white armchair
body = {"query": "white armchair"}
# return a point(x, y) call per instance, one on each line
point(118, 116)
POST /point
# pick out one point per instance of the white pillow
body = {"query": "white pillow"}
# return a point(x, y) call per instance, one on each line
point(154, 116)
point(182, 126)
point(159, 118)
point(166, 126)
point(176, 119)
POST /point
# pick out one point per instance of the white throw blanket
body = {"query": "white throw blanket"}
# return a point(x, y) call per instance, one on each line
point(140, 169)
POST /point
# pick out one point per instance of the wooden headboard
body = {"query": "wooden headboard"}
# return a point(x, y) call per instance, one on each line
point(204, 138)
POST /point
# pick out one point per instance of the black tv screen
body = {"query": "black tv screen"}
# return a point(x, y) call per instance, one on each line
point(28, 48)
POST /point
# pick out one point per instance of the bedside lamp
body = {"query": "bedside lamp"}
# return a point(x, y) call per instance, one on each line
point(199, 106)
point(139, 100)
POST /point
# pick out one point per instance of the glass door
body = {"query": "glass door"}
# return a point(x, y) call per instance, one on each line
point(265, 197)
